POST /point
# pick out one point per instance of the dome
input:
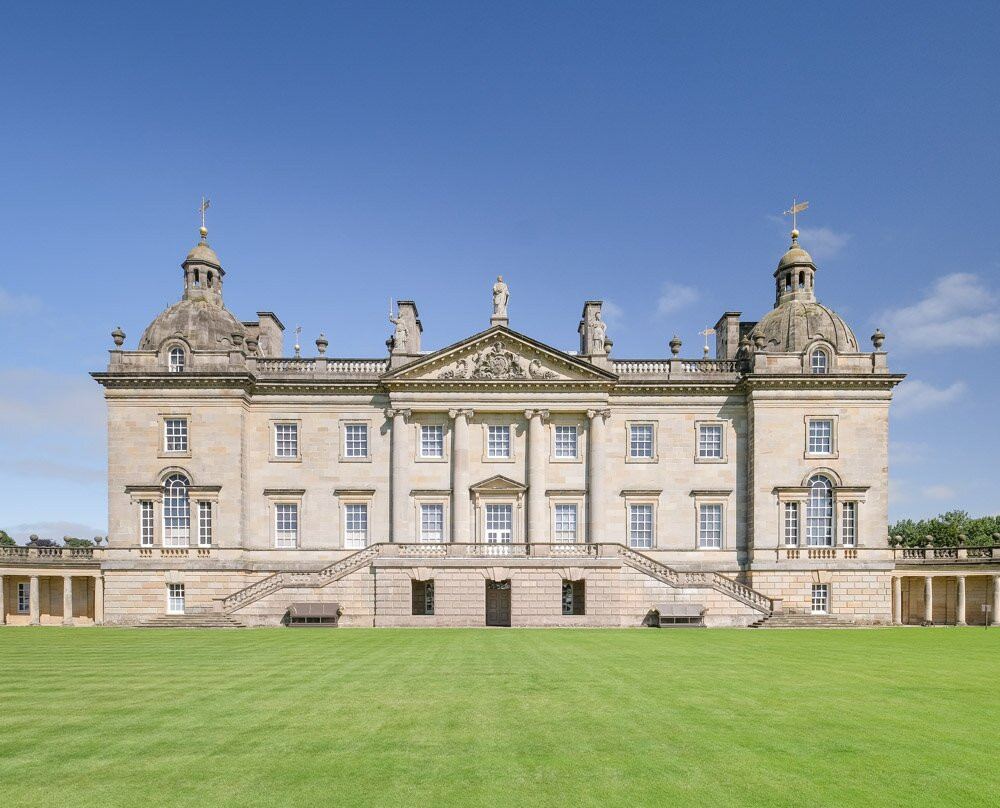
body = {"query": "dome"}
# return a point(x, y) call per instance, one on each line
point(794, 257)
point(203, 325)
point(203, 254)
point(793, 324)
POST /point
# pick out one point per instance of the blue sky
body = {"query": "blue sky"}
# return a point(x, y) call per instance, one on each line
point(637, 152)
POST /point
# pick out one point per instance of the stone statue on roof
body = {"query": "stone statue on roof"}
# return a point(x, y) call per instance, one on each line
point(500, 297)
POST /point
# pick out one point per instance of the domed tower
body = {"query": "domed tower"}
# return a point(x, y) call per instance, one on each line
point(200, 320)
point(797, 322)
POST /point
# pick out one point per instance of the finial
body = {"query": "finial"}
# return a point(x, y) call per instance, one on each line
point(675, 345)
point(118, 336)
point(321, 344)
point(877, 339)
point(298, 330)
point(793, 211)
point(705, 334)
point(205, 204)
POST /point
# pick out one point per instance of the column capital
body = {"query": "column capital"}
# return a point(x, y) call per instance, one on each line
point(392, 412)
point(543, 415)
point(605, 414)
point(457, 413)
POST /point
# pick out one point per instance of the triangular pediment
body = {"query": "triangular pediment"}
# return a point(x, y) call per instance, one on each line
point(499, 355)
point(498, 484)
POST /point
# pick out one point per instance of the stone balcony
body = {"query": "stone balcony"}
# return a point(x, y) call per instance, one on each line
point(961, 554)
point(55, 556)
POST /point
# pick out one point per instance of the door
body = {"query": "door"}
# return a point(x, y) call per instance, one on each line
point(498, 603)
point(499, 519)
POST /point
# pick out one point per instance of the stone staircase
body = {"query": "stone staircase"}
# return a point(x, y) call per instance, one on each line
point(800, 620)
point(192, 620)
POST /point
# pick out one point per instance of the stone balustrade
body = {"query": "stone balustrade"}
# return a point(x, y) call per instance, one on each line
point(944, 555)
point(677, 367)
point(51, 555)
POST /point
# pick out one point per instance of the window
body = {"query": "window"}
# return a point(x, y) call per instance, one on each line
point(286, 440)
point(146, 523)
point(175, 434)
point(175, 598)
point(820, 436)
point(23, 598)
point(432, 522)
point(820, 598)
point(640, 526)
point(356, 440)
point(432, 440)
point(176, 512)
point(819, 513)
point(849, 524)
point(574, 597)
point(286, 524)
point(640, 442)
point(710, 527)
point(819, 362)
point(355, 526)
point(565, 441)
point(176, 360)
point(499, 519)
point(204, 524)
point(565, 522)
point(422, 597)
point(498, 441)
point(791, 524)
point(710, 441)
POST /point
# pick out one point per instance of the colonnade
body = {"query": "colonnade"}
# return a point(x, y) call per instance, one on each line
point(537, 528)
point(961, 605)
point(7, 595)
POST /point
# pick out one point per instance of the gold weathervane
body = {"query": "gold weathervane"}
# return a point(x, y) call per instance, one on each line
point(793, 211)
point(205, 205)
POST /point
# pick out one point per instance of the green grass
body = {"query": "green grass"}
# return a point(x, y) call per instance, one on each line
point(479, 717)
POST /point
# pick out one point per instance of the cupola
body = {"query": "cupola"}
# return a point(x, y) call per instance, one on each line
point(795, 275)
point(203, 273)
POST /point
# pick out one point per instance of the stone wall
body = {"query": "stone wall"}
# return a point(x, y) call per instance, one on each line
point(859, 596)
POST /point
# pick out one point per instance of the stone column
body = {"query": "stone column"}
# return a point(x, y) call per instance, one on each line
point(3, 602)
point(460, 476)
point(995, 614)
point(67, 600)
point(99, 599)
point(929, 600)
point(596, 469)
point(399, 478)
point(960, 602)
point(897, 600)
point(34, 607)
point(537, 516)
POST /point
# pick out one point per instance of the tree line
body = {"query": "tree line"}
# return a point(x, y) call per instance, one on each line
point(946, 530)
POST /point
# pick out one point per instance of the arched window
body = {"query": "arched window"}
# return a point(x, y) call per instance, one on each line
point(819, 512)
point(176, 360)
point(819, 361)
point(176, 511)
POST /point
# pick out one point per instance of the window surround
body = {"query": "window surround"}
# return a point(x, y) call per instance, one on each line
point(154, 494)
point(819, 595)
point(563, 422)
point(175, 595)
point(431, 496)
point(724, 456)
point(273, 455)
point(714, 496)
point(285, 496)
point(628, 441)
point(573, 497)
point(498, 490)
point(23, 597)
point(342, 440)
point(641, 496)
point(825, 347)
point(169, 354)
point(418, 427)
point(500, 421)
point(173, 415)
point(353, 496)
point(576, 602)
point(834, 452)
point(841, 494)
point(422, 597)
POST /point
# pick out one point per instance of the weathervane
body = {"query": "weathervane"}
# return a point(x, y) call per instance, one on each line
point(205, 204)
point(793, 211)
point(298, 330)
point(705, 334)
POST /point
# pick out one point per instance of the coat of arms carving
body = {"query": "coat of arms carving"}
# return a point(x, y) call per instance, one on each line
point(497, 363)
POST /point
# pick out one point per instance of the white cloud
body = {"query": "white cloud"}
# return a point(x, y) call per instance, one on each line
point(55, 469)
point(914, 396)
point(674, 297)
point(822, 242)
point(958, 311)
point(938, 492)
point(53, 530)
point(11, 304)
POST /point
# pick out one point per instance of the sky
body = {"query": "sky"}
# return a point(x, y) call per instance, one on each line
point(639, 153)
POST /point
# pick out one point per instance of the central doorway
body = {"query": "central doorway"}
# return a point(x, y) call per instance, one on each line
point(498, 603)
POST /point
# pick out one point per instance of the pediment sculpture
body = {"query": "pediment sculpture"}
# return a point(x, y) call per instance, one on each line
point(497, 363)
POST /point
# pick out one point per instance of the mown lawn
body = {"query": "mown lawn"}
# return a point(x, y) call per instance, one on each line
point(116, 717)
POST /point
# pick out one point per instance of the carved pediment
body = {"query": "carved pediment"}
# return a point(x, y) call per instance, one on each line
point(498, 484)
point(499, 355)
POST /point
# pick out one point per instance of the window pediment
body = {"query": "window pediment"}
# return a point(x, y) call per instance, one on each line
point(498, 484)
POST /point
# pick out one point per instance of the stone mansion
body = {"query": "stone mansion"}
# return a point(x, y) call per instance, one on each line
point(496, 481)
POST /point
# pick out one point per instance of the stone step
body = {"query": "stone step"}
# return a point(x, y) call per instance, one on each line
point(800, 620)
point(202, 620)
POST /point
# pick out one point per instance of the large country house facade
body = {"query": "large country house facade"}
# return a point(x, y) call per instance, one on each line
point(497, 481)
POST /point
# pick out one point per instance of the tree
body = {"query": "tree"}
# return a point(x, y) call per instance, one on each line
point(946, 530)
point(71, 541)
point(6, 540)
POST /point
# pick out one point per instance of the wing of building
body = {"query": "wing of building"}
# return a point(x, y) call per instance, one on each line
point(494, 481)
